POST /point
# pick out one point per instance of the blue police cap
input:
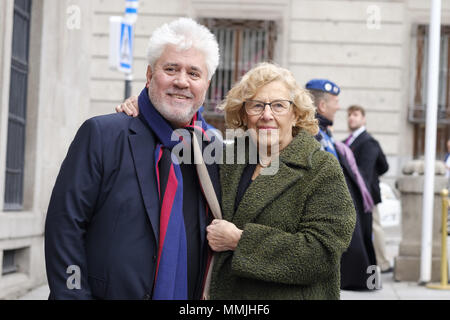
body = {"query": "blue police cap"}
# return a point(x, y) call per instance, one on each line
point(323, 85)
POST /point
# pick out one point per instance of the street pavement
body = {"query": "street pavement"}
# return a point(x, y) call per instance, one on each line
point(390, 289)
point(39, 293)
point(393, 290)
point(396, 290)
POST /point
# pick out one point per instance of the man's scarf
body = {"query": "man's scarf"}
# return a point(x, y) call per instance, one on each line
point(347, 153)
point(324, 136)
point(171, 281)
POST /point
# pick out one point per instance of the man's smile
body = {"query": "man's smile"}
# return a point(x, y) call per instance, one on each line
point(179, 96)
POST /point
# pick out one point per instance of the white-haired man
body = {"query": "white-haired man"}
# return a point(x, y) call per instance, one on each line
point(126, 221)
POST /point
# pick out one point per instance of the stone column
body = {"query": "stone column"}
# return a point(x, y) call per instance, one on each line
point(410, 185)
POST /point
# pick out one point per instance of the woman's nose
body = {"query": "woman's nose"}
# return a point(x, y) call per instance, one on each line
point(267, 113)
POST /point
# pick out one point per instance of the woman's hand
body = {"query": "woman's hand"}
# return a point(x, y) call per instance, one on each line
point(223, 235)
point(129, 106)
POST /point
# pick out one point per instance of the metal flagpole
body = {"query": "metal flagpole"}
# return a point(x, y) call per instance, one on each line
point(430, 140)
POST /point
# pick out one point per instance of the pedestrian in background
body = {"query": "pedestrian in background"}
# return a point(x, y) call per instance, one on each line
point(360, 255)
point(372, 164)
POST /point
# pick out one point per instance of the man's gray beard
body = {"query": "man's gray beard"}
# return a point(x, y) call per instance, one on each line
point(165, 111)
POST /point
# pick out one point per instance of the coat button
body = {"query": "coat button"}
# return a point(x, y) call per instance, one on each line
point(154, 258)
point(147, 296)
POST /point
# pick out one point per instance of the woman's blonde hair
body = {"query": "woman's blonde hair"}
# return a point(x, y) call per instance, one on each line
point(262, 74)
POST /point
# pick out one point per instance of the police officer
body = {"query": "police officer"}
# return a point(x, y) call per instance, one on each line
point(360, 254)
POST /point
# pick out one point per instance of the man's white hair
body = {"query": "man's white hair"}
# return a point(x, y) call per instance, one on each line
point(185, 33)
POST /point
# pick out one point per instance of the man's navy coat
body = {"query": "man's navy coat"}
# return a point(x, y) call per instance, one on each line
point(103, 215)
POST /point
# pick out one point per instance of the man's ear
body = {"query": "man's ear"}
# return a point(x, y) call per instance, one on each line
point(322, 106)
point(207, 86)
point(149, 76)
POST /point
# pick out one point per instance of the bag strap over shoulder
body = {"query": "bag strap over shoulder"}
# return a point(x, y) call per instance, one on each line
point(211, 198)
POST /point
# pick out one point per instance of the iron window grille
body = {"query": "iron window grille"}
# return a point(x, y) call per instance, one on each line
point(15, 154)
point(242, 45)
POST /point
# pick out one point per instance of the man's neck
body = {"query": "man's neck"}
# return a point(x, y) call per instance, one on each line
point(324, 122)
point(179, 125)
point(358, 131)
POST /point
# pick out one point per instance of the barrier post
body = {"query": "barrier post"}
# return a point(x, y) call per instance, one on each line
point(444, 270)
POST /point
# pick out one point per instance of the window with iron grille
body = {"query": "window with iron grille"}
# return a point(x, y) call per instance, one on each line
point(9, 262)
point(16, 261)
point(417, 109)
point(15, 154)
point(242, 45)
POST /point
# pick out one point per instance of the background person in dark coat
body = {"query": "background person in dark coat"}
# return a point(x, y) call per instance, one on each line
point(372, 164)
point(360, 254)
point(104, 233)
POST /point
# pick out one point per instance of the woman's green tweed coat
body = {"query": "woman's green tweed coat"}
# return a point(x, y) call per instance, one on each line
point(297, 223)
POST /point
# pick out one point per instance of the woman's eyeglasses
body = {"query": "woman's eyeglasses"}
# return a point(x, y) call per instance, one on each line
point(255, 107)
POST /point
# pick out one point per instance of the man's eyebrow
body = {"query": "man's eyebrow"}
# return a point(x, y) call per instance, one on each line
point(174, 64)
point(196, 69)
point(171, 64)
